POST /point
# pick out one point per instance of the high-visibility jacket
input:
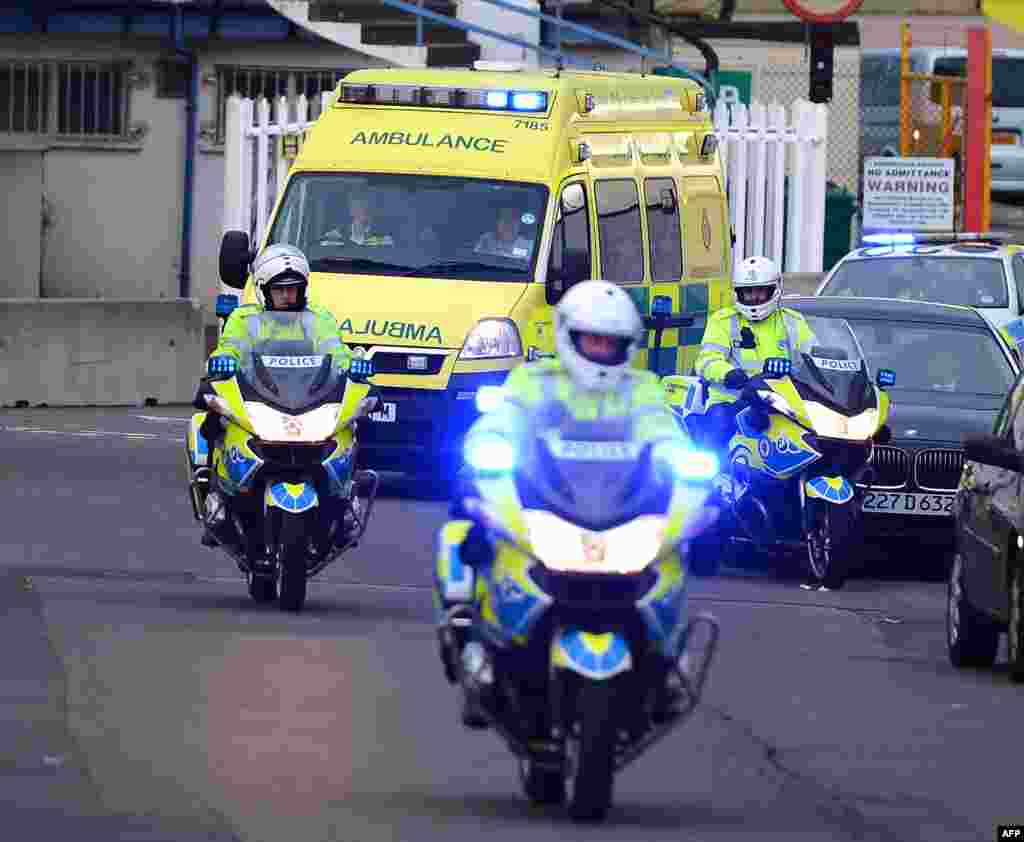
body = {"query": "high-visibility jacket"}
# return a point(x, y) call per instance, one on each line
point(784, 333)
point(250, 325)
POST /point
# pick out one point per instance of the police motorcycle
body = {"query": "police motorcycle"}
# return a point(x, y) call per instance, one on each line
point(278, 491)
point(803, 442)
point(576, 622)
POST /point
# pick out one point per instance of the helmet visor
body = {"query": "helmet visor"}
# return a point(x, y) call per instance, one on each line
point(601, 348)
point(752, 296)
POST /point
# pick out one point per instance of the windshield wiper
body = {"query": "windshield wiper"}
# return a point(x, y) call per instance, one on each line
point(356, 263)
point(462, 266)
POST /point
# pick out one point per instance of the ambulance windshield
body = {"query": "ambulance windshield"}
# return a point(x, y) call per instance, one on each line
point(414, 225)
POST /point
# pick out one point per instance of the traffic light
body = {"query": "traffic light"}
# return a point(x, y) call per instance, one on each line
point(822, 55)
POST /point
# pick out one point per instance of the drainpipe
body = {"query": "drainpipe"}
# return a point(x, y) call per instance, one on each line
point(191, 107)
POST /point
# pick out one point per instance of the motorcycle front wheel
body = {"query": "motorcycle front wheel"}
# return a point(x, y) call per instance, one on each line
point(833, 538)
point(592, 745)
point(292, 544)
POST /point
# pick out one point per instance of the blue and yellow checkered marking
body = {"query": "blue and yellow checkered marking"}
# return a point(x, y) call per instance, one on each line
point(1013, 332)
point(292, 497)
point(691, 299)
point(663, 608)
point(597, 656)
point(832, 489)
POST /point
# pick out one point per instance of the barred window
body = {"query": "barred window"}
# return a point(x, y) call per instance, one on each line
point(272, 83)
point(65, 99)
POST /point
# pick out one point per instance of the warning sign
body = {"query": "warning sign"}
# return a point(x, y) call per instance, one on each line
point(908, 194)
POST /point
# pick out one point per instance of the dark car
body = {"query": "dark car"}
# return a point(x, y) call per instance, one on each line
point(953, 370)
point(986, 578)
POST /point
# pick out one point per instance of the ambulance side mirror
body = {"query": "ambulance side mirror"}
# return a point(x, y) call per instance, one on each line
point(235, 258)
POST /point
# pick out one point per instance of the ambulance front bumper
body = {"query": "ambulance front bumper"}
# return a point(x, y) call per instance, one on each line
point(421, 430)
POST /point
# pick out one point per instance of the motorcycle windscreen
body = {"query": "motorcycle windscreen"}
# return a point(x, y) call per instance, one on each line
point(835, 372)
point(593, 474)
point(284, 369)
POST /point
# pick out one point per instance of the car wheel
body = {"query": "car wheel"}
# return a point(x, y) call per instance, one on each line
point(1015, 628)
point(972, 639)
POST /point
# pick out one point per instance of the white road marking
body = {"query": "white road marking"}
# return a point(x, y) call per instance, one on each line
point(166, 419)
point(90, 434)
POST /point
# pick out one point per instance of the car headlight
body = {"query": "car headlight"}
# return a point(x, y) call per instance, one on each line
point(490, 453)
point(492, 339)
point(836, 426)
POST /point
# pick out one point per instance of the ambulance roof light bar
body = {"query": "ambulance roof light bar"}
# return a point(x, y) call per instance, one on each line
point(519, 102)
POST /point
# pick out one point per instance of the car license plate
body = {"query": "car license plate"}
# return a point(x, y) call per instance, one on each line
point(903, 503)
point(384, 415)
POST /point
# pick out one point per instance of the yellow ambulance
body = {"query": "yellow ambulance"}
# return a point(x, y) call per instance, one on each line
point(443, 213)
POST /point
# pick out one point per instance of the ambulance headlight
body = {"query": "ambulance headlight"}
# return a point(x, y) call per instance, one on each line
point(492, 339)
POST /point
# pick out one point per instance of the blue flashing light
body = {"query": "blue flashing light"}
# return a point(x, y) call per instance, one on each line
point(490, 454)
point(497, 99)
point(489, 398)
point(360, 368)
point(661, 306)
point(226, 305)
point(777, 367)
point(889, 239)
point(222, 365)
point(886, 377)
point(691, 464)
point(530, 101)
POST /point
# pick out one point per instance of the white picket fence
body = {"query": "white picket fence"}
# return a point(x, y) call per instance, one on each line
point(255, 163)
point(756, 144)
point(760, 147)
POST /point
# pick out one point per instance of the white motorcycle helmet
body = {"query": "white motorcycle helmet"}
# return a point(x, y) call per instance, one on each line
point(757, 274)
point(589, 310)
point(280, 265)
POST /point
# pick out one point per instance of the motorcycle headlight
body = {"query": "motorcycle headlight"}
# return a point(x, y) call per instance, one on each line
point(490, 453)
point(273, 426)
point(833, 425)
point(492, 339)
point(566, 548)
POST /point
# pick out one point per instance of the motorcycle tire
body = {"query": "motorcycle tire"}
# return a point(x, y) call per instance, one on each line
point(292, 557)
point(262, 588)
point(541, 786)
point(842, 531)
point(592, 777)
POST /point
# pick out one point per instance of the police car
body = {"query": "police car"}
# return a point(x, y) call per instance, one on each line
point(983, 271)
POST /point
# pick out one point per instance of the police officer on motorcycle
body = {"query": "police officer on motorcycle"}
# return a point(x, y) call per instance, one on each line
point(738, 339)
point(281, 277)
point(598, 333)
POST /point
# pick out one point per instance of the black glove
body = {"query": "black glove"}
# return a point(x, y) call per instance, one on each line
point(735, 379)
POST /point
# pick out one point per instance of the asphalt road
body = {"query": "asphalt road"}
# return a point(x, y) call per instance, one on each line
point(143, 696)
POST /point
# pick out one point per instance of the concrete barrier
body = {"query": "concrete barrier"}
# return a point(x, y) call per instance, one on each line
point(96, 352)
